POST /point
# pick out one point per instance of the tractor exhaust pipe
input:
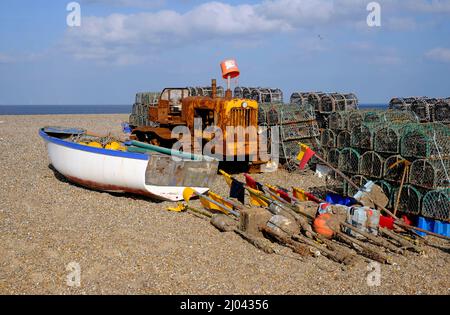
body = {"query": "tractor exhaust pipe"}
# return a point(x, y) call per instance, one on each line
point(213, 88)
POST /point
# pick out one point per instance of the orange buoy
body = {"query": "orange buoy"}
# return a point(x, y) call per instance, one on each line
point(229, 69)
point(321, 226)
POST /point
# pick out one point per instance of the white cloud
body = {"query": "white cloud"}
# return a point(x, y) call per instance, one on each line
point(147, 4)
point(439, 54)
point(132, 36)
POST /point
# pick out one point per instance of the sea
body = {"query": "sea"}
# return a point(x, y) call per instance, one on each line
point(98, 109)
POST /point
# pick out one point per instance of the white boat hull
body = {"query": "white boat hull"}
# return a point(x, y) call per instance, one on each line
point(108, 170)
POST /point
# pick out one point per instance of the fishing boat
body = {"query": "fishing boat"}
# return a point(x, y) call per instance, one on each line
point(142, 169)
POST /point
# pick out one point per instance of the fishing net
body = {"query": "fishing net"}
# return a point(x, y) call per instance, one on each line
point(343, 139)
point(355, 119)
point(388, 190)
point(328, 138)
point(410, 199)
point(430, 174)
point(362, 136)
point(426, 141)
point(394, 168)
point(333, 157)
point(423, 108)
point(372, 164)
point(436, 204)
point(441, 111)
point(359, 180)
point(349, 161)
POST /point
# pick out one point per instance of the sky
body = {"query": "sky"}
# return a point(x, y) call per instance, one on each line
point(126, 46)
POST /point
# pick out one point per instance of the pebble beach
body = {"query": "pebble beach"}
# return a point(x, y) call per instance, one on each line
point(126, 244)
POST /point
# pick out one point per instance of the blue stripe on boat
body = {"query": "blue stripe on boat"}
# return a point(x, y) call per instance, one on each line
point(80, 147)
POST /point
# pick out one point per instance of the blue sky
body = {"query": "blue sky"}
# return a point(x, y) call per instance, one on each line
point(125, 46)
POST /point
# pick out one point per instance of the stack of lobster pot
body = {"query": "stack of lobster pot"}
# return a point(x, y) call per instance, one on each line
point(261, 95)
point(426, 109)
point(295, 124)
point(139, 112)
point(325, 104)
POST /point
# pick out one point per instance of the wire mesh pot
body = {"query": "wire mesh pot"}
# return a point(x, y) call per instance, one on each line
point(399, 117)
point(410, 200)
point(423, 108)
point(426, 141)
point(362, 136)
point(328, 138)
point(430, 174)
point(373, 117)
point(394, 168)
point(338, 120)
point(343, 139)
point(436, 205)
point(355, 119)
point(333, 157)
point(349, 161)
point(315, 99)
point(441, 111)
point(372, 164)
point(299, 98)
point(402, 103)
point(387, 138)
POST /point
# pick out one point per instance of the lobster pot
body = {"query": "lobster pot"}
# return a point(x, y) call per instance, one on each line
point(328, 103)
point(351, 102)
point(402, 103)
point(138, 98)
point(362, 137)
point(393, 169)
point(410, 200)
point(134, 109)
point(299, 98)
point(349, 161)
point(267, 95)
point(315, 99)
point(289, 149)
point(333, 157)
point(133, 120)
point(299, 130)
point(441, 111)
point(431, 174)
point(328, 138)
point(423, 108)
point(355, 119)
point(387, 138)
point(372, 117)
point(387, 189)
point(436, 205)
point(371, 164)
point(192, 91)
point(426, 141)
point(359, 180)
point(323, 153)
point(293, 113)
point(338, 120)
point(273, 114)
point(262, 116)
point(343, 139)
point(400, 117)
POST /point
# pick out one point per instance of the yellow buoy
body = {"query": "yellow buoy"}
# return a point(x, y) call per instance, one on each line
point(114, 146)
point(95, 145)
